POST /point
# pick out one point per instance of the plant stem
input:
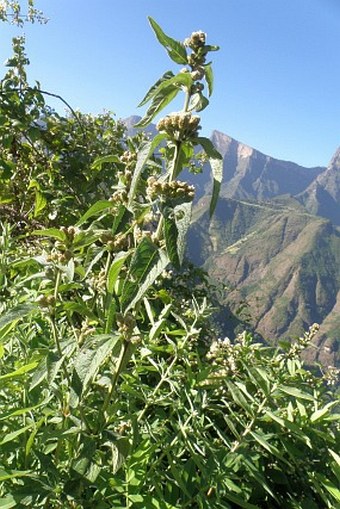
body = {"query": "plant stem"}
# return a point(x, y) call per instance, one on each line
point(173, 173)
point(54, 327)
point(124, 352)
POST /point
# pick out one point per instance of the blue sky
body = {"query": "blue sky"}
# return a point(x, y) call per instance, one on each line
point(277, 73)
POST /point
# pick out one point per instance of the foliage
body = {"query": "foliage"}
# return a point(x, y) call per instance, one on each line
point(115, 390)
point(12, 12)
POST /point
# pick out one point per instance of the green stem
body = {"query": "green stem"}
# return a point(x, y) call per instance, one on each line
point(54, 327)
point(173, 173)
point(123, 356)
point(187, 101)
point(163, 378)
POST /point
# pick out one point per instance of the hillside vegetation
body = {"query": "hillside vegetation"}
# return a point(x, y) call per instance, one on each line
point(116, 389)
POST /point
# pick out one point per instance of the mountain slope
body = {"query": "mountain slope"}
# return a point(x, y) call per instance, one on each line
point(322, 197)
point(282, 262)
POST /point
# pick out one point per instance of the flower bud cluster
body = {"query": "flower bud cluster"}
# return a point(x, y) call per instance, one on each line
point(98, 281)
point(129, 160)
point(70, 232)
point(56, 257)
point(332, 376)
point(303, 342)
point(170, 190)
point(196, 40)
point(119, 197)
point(86, 330)
point(45, 301)
point(62, 251)
point(126, 324)
point(115, 243)
point(180, 126)
point(222, 352)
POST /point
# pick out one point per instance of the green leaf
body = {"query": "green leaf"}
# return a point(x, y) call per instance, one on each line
point(176, 50)
point(39, 204)
point(209, 77)
point(96, 208)
point(198, 102)
point(176, 225)
point(333, 490)
point(144, 153)
point(12, 436)
point(14, 315)
point(54, 233)
point(216, 163)
point(240, 502)
point(88, 362)
point(152, 91)
point(114, 270)
point(20, 371)
point(98, 163)
point(8, 502)
point(296, 393)
point(323, 412)
point(260, 439)
point(335, 456)
point(147, 263)
point(159, 102)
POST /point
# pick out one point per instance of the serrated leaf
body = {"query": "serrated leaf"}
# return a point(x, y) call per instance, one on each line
point(20, 371)
point(209, 78)
point(8, 502)
point(95, 209)
point(216, 163)
point(9, 437)
point(335, 456)
point(176, 50)
point(239, 501)
point(144, 153)
point(322, 412)
point(151, 92)
point(265, 444)
point(179, 80)
point(198, 102)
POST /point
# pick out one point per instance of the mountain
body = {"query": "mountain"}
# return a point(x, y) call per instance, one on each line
point(279, 261)
point(273, 243)
point(322, 197)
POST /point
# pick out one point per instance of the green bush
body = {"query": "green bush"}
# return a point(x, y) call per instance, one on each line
point(115, 390)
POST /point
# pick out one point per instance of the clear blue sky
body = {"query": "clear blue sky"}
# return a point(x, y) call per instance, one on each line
point(277, 75)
